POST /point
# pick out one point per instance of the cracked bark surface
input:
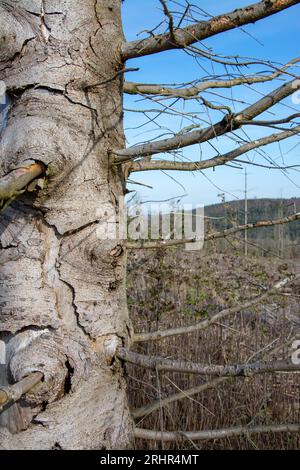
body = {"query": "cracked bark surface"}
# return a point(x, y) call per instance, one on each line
point(62, 290)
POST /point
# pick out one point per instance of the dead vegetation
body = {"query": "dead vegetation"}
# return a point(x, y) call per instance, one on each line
point(175, 288)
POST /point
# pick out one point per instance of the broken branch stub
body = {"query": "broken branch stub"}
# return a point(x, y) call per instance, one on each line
point(15, 182)
point(13, 393)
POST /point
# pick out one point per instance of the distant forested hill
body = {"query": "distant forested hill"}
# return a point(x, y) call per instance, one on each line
point(285, 238)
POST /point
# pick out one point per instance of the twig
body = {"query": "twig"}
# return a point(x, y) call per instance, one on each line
point(204, 29)
point(108, 80)
point(146, 410)
point(154, 244)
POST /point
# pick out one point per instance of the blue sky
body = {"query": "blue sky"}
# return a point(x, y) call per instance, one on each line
point(273, 39)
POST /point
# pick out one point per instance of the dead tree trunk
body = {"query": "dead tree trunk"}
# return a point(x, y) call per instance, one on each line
point(62, 287)
point(62, 295)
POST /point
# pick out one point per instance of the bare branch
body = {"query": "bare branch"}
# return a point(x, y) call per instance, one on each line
point(132, 88)
point(229, 123)
point(170, 18)
point(160, 334)
point(205, 29)
point(151, 407)
point(111, 79)
point(234, 370)
point(141, 244)
point(145, 165)
point(213, 434)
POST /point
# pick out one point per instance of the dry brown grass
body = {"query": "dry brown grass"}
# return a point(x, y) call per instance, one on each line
point(174, 288)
